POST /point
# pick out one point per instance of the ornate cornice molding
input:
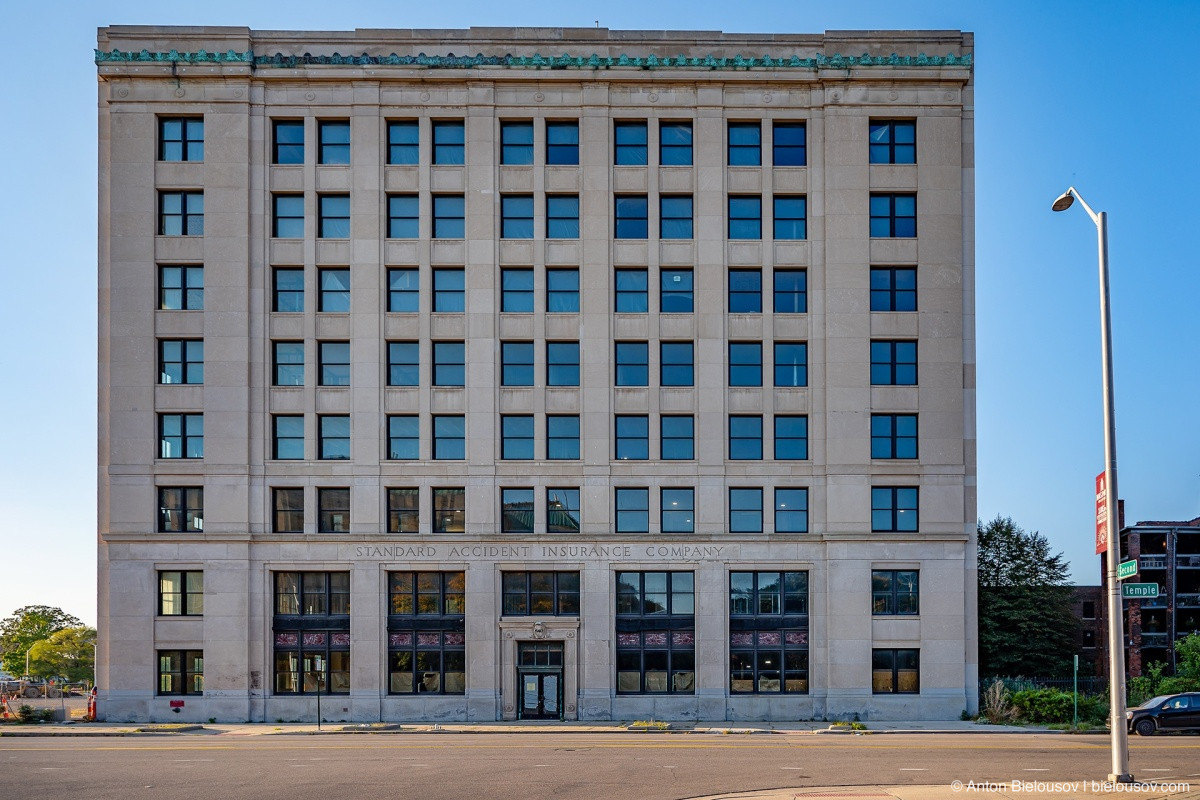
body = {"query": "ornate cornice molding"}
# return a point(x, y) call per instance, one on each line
point(535, 61)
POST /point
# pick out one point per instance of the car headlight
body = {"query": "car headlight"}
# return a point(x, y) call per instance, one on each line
point(1128, 715)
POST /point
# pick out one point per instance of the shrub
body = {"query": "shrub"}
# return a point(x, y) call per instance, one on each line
point(1044, 705)
point(26, 713)
point(997, 704)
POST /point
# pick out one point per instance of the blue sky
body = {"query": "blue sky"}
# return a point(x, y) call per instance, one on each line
point(1099, 95)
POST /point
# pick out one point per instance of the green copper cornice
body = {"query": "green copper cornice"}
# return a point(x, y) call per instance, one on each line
point(535, 61)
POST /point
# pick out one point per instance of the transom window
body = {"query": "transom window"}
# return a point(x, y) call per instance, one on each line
point(541, 594)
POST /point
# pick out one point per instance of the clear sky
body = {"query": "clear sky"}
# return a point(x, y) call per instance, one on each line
point(1099, 94)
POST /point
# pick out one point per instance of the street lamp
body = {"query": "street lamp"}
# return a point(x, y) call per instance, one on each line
point(1116, 637)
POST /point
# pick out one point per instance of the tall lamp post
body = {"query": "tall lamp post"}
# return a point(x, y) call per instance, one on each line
point(1116, 636)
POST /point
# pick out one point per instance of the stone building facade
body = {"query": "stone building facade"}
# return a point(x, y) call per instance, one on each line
point(588, 375)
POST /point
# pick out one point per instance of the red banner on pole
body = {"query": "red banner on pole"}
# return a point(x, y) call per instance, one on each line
point(1101, 514)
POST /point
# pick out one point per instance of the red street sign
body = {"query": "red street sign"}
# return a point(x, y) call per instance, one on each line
point(176, 704)
point(1101, 514)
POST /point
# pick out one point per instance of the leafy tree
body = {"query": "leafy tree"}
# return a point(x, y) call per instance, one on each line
point(1026, 626)
point(27, 625)
point(69, 652)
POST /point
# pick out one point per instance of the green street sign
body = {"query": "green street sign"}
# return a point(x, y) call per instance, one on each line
point(1127, 569)
point(1139, 591)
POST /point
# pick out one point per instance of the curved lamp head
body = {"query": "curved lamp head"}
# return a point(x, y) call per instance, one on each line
point(1064, 201)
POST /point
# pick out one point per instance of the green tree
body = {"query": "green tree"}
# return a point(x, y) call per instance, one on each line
point(27, 625)
point(69, 652)
point(1025, 622)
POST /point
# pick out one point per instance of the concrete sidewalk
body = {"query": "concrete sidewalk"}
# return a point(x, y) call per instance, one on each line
point(1043, 790)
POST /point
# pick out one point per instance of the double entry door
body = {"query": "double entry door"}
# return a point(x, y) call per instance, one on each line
point(540, 680)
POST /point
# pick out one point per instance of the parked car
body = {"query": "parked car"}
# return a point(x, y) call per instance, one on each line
point(1171, 712)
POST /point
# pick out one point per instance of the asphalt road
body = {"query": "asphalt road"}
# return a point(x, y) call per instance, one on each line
point(619, 766)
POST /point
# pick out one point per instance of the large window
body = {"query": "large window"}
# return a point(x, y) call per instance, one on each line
point(791, 510)
point(181, 593)
point(768, 632)
point(516, 432)
point(632, 509)
point(404, 363)
point(678, 510)
point(656, 633)
point(289, 290)
point(893, 215)
point(516, 216)
point(562, 216)
point(562, 363)
point(181, 139)
point(403, 141)
point(516, 510)
point(425, 624)
point(629, 143)
point(404, 216)
point(562, 510)
point(745, 363)
point(449, 437)
point(562, 291)
point(893, 436)
point(449, 364)
point(403, 507)
point(181, 436)
point(449, 216)
point(675, 291)
point(677, 437)
point(516, 289)
point(893, 363)
point(288, 216)
point(791, 291)
point(550, 594)
point(675, 216)
point(516, 142)
point(893, 142)
point(333, 141)
point(333, 510)
point(562, 437)
point(562, 142)
point(745, 437)
point(404, 437)
point(311, 627)
point(287, 506)
point(676, 365)
point(449, 141)
point(180, 672)
point(404, 290)
point(745, 217)
point(789, 145)
point(791, 437)
point(181, 361)
point(181, 288)
point(791, 364)
point(334, 363)
point(895, 671)
point(674, 143)
point(631, 212)
point(745, 144)
point(180, 509)
point(516, 363)
point(180, 213)
point(333, 216)
point(288, 440)
point(895, 592)
point(449, 509)
point(632, 437)
point(791, 217)
point(287, 146)
point(894, 509)
point(893, 288)
point(745, 291)
point(333, 295)
point(288, 363)
point(632, 363)
point(631, 291)
point(745, 510)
